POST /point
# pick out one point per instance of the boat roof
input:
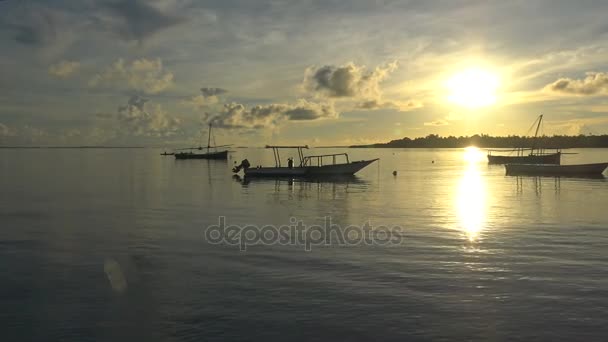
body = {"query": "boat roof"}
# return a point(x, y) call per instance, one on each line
point(278, 146)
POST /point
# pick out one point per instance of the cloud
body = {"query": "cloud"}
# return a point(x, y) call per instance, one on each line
point(6, 131)
point(137, 19)
point(143, 74)
point(355, 83)
point(207, 92)
point(137, 121)
point(439, 122)
point(447, 120)
point(306, 110)
point(349, 80)
point(49, 29)
point(595, 83)
point(37, 26)
point(63, 69)
point(402, 106)
point(208, 97)
point(235, 115)
point(200, 101)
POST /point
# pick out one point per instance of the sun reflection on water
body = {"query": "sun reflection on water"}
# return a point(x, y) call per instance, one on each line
point(471, 196)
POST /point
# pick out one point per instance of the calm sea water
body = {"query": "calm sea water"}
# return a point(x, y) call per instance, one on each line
point(109, 245)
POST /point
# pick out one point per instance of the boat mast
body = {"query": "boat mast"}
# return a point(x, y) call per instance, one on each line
point(540, 120)
point(209, 138)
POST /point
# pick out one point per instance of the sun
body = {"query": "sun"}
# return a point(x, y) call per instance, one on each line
point(473, 88)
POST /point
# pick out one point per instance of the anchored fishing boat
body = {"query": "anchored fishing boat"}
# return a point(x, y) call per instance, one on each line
point(532, 155)
point(556, 170)
point(309, 166)
point(191, 154)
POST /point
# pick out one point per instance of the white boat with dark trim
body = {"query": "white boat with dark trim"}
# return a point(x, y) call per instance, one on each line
point(556, 170)
point(309, 166)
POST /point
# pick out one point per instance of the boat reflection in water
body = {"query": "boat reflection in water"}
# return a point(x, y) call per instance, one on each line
point(291, 180)
point(471, 196)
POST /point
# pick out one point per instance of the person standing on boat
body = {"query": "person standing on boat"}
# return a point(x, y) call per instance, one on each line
point(290, 163)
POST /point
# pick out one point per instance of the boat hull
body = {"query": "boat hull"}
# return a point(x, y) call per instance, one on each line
point(556, 170)
point(309, 171)
point(211, 155)
point(553, 158)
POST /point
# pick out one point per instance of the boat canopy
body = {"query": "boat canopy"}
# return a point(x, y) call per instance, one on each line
point(323, 158)
point(317, 160)
point(277, 156)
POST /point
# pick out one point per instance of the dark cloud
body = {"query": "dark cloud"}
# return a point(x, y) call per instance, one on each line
point(36, 26)
point(349, 80)
point(402, 106)
point(337, 82)
point(305, 110)
point(235, 115)
point(213, 91)
point(138, 19)
point(593, 84)
point(355, 83)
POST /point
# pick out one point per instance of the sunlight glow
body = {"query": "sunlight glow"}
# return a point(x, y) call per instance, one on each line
point(473, 88)
point(471, 203)
point(473, 154)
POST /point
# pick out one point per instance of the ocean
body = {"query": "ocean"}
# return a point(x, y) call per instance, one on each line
point(128, 245)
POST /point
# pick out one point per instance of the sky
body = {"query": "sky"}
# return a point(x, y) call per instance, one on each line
point(327, 72)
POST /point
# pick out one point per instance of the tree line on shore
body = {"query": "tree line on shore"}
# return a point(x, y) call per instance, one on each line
point(487, 141)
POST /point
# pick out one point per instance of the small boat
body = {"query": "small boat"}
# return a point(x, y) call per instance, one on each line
point(167, 153)
point(191, 154)
point(535, 155)
point(556, 170)
point(521, 158)
point(310, 166)
point(208, 155)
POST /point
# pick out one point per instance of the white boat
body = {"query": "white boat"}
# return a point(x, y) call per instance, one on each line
point(556, 170)
point(309, 166)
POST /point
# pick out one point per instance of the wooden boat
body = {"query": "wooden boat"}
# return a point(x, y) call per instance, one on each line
point(532, 158)
point(531, 155)
point(309, 166)
point(167, 154)
point(191, 154)
point(556, 170)
point(208, 155)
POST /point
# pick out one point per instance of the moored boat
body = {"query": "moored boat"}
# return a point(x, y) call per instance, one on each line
point(532, 158)
point(556, 170)
point(309, 166)
point(208, 155)
point(191, 154)
point(532, 155)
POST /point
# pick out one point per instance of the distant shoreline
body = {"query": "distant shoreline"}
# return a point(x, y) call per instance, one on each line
point(487, 141)
point(430, 141)
point(74, 147)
